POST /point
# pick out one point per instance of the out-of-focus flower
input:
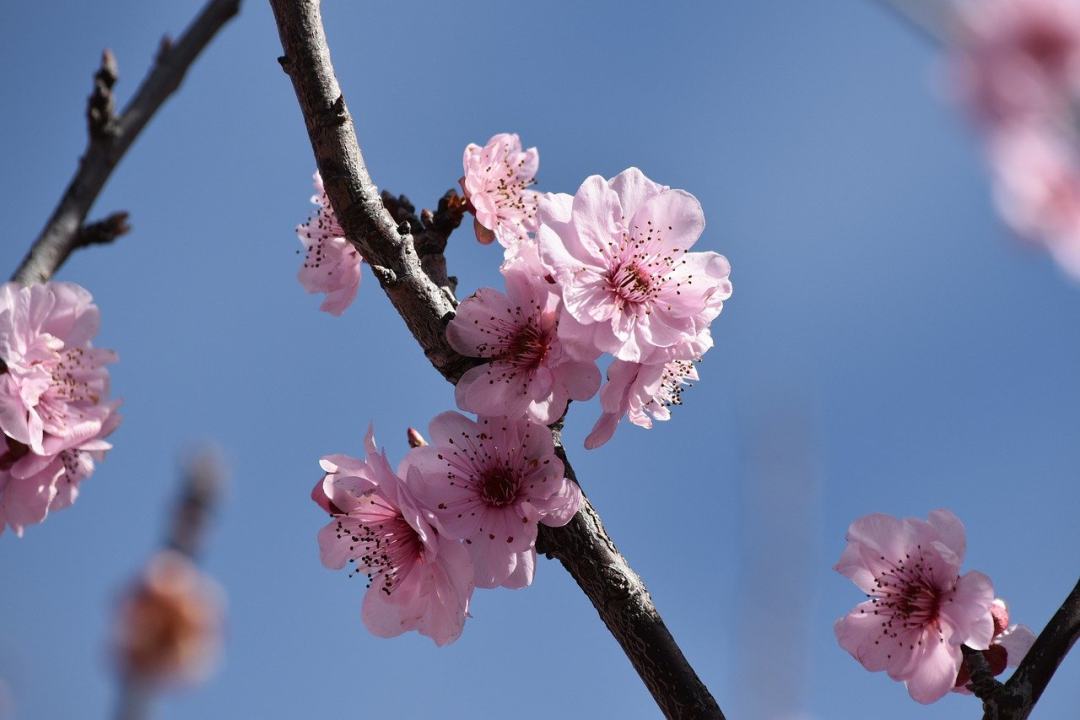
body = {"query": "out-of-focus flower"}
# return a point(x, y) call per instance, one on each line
point(1018, 59)
point(619, 251)
point(1037, 187)
point(420, 579)
point(489, 483)
point(168, 628)
point(528, 369)
point(1009, 646)
point(54, 406)
point(642, 393)
point(920, 609)
point(496, 182)
point(331, 263)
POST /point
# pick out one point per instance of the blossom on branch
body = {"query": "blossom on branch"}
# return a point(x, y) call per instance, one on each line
point(528, 369)
point(331, 263)
point(496, 181)
point(54, 407)
point(642, 393)
point(1009, 646)
point(620, 252)
point(920, 609)
point(419, 579)
point(489, 483)
point(1018, 59)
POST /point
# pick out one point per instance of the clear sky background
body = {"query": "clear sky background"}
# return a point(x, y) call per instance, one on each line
point(889, 347)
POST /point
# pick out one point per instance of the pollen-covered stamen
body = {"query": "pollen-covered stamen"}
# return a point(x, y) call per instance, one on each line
point(673, 381)
point(641, 266)
point(499, 486)
point(381, 544)
point(907, 598)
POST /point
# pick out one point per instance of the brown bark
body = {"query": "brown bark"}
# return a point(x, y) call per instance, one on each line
point(110, 136)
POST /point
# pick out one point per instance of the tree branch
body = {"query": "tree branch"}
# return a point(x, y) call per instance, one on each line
point(583, 546)
point(111, 136)
point(1016, 699)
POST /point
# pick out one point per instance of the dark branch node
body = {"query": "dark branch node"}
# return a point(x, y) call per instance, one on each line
point(104, 231)
point(101, 106)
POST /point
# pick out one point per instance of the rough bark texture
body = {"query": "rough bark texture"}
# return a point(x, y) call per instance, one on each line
point(389, 246)
point(111, 136)
point(1016, 698)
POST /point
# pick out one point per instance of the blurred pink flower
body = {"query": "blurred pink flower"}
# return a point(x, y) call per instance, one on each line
point(496, 181)
point(529, 371)
point(489, 483)
point(331, 263)
point(640, 392)
point(619, 251)
point(1018, 58)
point(54, 411)
point(1037, 187)
point(420, 579)
point(920, 609)
point(1009, 646)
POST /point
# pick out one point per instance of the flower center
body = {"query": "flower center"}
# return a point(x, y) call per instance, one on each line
point(499, 487)
point(633, 283)
point(528, 346)
point(907, 597)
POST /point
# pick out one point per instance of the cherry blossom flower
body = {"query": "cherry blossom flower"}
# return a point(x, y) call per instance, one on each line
point(619, 250)
point(642, 393)
point(54, 411)
point(1037, 187)
point(496, 181)
point(33, 485)
point(331, 263)
point(528, 369)
point(489, 483)
point(1018, 58)
point(419, 579)
point(1009, 646)
point(168, 625)
point(920, 609)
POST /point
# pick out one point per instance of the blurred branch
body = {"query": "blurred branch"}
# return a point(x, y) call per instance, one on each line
point(1016, 699)
point(200, 489)
point(391, 248)
point(930, 19)
point(111, 136)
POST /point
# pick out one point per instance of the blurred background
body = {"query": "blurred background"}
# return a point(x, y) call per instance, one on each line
point(889, 347)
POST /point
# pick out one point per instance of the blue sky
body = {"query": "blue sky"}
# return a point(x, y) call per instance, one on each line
point(889, 347)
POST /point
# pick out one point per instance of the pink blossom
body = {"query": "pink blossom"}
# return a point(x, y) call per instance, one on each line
point(1009, 646)
point(619, 250)
point(489, 483)
point(331, 263)
point(529, 370)
point(419, 579)
point(496, 181)
point(920, 610)
point(1037, 186)
point(1018, 58)
point(642, 393)
point(54, 411)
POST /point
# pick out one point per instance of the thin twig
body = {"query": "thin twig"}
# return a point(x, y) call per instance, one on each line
point(930, 19)
point(1017, 698)
point(583, 546)
point(111, 136)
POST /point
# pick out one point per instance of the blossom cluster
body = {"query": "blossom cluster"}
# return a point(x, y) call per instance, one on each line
point(1018, 69)
point(920, 611)
point(456, 514)
point(54, 408)
point(607, 270)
